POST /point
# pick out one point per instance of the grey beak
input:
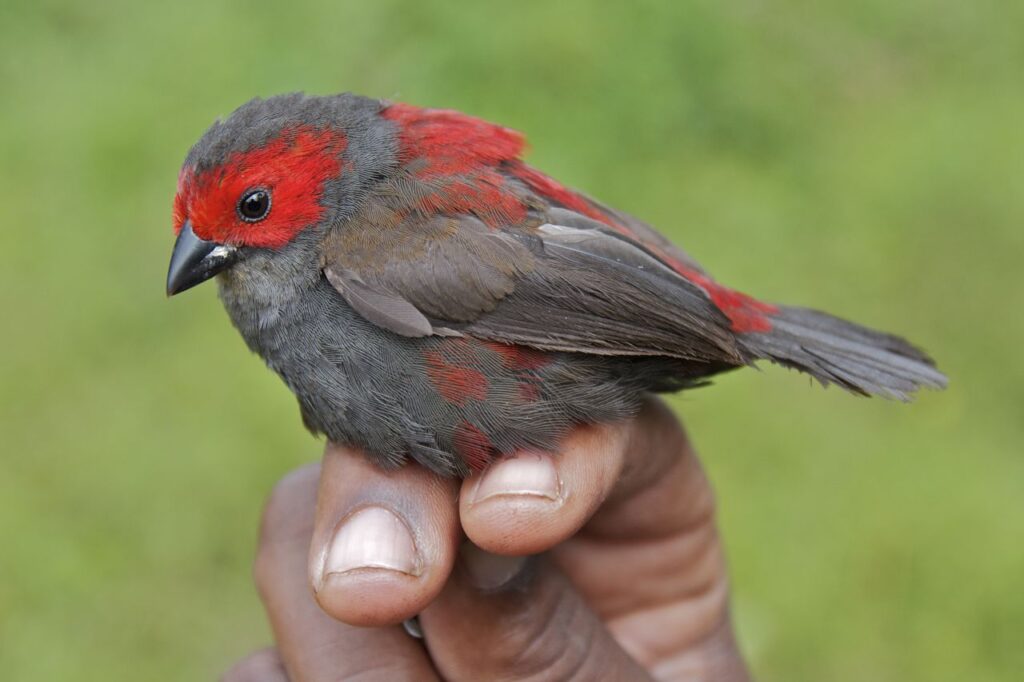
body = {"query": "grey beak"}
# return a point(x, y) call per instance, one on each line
point(195, 260)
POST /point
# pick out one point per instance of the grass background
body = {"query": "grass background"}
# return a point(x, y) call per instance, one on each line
point(862, 156)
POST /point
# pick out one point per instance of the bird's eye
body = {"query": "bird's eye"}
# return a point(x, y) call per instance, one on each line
point(254, 205)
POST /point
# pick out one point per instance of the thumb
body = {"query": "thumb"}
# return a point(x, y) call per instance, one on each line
point(513, 618)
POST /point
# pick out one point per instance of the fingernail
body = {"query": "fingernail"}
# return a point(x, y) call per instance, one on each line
point(490, 571)
point(372, 538)
point(530, 474)
point(412, 627)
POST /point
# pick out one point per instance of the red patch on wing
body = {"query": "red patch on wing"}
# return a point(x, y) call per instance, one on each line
point(444, 145)
point(552, 190)
point(452, 377)
point(294, 166)
point(473, 446)
point(439, 145)
point(450, 142)
point(482, 194)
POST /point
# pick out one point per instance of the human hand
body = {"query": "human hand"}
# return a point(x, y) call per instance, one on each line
point(632, 585)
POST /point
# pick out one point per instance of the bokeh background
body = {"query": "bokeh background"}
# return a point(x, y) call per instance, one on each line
point(861, 156)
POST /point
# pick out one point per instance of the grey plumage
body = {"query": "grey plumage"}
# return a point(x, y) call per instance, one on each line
point(419, 323)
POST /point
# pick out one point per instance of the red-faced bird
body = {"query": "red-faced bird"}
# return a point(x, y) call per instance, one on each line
point(429, 296)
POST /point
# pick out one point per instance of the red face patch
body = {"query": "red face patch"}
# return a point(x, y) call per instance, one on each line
point(293, 167)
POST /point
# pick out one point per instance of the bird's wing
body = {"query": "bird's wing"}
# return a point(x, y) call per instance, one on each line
point(448, 269)
point(576, 286)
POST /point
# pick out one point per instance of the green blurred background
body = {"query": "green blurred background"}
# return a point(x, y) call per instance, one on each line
point(864, 156)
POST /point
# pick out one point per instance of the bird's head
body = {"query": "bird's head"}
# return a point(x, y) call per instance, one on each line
point(274, 169)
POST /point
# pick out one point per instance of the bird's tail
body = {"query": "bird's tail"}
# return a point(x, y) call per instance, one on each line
point(835, 351)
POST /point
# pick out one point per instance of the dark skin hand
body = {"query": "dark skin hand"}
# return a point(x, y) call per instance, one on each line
point(630, 583)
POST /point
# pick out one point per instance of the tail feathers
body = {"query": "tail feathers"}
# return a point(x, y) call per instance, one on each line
point(835, 351)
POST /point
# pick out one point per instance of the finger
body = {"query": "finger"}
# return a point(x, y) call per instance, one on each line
point(631, 516)
point(312, 645)
point(264, 665)
point(660, 517)
point(511, 618)
point(650, 561)
point(533, 501)
point(383, 541)
point(659, 468)
point(530, 502)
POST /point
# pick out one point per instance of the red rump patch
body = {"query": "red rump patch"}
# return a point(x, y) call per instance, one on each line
point(473, 446)
point(294, 166)
point(746, 313)
point(452, 376)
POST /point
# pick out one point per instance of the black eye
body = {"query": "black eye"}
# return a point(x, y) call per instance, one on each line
point(254, 205)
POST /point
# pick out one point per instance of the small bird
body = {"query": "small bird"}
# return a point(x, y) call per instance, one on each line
point(429, 296)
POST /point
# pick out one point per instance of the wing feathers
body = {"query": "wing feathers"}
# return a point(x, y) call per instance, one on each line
point(556, 287)
point(597, 294)
point(379, 307)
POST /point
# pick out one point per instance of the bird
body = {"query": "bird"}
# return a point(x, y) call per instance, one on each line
point(430, 297)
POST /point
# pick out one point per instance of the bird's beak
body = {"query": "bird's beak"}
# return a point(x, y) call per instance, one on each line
point(196, 260)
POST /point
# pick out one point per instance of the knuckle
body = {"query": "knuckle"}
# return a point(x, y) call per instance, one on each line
point(553, 640)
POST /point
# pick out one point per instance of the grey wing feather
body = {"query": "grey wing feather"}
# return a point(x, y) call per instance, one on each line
point(382, 308)
point(442, 267)
point(556, 287)
point(599, 293)
point(643, 233)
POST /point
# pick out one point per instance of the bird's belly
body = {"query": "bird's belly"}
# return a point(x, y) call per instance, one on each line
point(449, 403)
